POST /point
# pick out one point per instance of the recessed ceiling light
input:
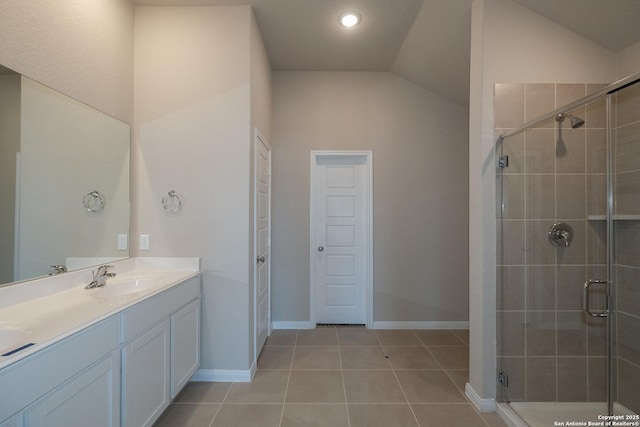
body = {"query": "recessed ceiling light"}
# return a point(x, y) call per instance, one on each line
point(350, 19)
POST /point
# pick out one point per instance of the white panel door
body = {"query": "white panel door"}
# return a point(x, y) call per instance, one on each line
point(262, 234)
point(340, 229)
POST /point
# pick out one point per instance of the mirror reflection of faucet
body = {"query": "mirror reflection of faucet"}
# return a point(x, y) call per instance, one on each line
point(100, 277)
point(57, 269)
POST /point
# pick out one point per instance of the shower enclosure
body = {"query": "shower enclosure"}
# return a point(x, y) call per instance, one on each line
point(568, 273)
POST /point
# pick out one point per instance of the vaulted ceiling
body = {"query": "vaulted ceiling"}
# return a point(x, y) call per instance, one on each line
point(425, 41)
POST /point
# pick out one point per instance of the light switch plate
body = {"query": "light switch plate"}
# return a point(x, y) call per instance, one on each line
point(123, 242)
point(144, 242)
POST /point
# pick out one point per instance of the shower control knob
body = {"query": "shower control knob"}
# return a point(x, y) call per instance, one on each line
point(560, 234)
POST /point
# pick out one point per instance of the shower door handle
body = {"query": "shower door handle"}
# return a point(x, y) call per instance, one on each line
point(585, 299)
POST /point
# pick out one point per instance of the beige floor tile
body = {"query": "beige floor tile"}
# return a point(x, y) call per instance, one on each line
point(397, 337)
point(267, 387)
point(203, 392)
point(429, 386)
point(460, 377)
point(286, 337)
point(447, 415)
point(493, 419)
point(315, 415)
point(410, 358)
point(451, 357)
point(363, 358)
point(372, 386)
point(275, 357)
point(357, 336)
point(317, 337)
point(248, 415)
point(316, 358)
point(438, 337)
point(463, 334)
point(381, 415)
point(315, 386)
point(187, 415)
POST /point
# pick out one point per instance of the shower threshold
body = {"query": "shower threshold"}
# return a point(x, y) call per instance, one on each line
point(549, 414)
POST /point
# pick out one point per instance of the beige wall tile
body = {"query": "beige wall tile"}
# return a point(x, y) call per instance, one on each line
point(541, 288)
point(572, 333)
point(567, 93)
point(510, 197)
point(570, 286)
point(571, 151)
point(509, 105)
point(510, 287)
point(510, 333)
point(539, 99)
point(628, 105)
point(541, 379)
point(540, 151)
point(571, 197)
point(628, 380)
point(596, 150)
point(572, 379)
point(540, 196)
point(541, 333)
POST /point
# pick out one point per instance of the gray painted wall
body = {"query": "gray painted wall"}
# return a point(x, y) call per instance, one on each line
point(420, 180)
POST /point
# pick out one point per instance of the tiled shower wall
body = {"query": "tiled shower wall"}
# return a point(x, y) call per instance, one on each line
point(549, 349)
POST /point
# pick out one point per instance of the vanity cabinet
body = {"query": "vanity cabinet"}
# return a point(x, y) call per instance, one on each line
point(89, 399)
point(13, 422)
point(81, 370)
point(145, 376)
point(160, 353)
point(120, 372)
point(185, 346)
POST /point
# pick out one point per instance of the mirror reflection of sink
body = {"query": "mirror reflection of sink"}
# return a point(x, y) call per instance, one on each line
point(124, 286)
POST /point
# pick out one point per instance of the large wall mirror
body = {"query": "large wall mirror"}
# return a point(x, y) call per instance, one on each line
point(64, 182)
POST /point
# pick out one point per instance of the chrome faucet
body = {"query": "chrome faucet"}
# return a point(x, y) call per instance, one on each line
point(100, 277)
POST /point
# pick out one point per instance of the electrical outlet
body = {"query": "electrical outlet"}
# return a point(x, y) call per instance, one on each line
point(123, 242)
point(144, 242)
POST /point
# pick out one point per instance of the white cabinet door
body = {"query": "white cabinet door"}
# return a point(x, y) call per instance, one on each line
point(185, 345)
point(92, 398)
point(145, 377)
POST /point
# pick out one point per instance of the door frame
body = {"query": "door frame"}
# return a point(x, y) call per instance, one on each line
point(260, 139)
point(368, 232)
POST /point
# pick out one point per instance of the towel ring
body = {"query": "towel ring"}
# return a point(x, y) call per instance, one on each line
point(172, 202)
point(94, 201)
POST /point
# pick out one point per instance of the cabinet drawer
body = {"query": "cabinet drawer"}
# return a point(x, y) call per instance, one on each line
point(33, 377)
point(141, 317)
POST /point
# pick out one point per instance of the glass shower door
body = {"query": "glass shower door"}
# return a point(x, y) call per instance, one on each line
point(568, 255)
point(625, 258)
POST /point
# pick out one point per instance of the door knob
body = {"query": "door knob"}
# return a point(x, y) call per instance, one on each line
point(260, 259)
point(320, 248)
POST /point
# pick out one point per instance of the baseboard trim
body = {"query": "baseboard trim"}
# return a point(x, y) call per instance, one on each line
point(224, 375)
point(483, 405)
point(305, 324)
point(509, 416)
point(420, 325)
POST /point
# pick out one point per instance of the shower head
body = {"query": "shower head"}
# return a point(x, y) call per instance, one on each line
point(576, 122)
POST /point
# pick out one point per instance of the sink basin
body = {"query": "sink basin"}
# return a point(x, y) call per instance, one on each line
point(125, 286)
point(11, 337)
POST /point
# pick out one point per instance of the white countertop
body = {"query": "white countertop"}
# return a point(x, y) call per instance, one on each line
point(46, 310)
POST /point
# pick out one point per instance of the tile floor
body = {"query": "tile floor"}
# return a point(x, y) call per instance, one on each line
point(342, 377)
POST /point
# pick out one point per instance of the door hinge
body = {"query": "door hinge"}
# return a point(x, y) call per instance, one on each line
point(503, 379)
point(503, 162)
